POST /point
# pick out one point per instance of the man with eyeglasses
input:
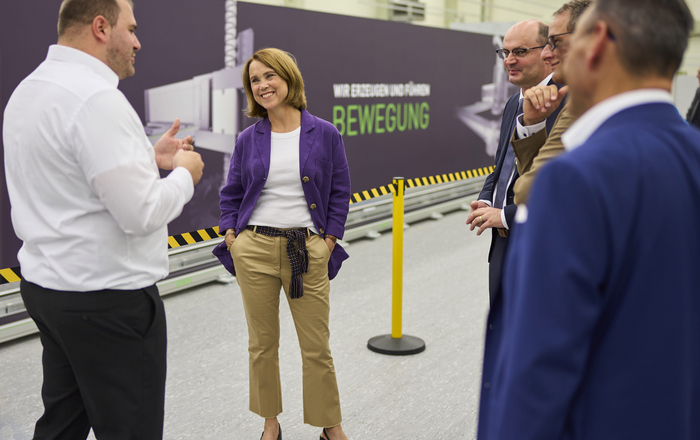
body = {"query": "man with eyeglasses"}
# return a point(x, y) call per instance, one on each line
point(533, 146)
point(494, 207)
point(601, 298)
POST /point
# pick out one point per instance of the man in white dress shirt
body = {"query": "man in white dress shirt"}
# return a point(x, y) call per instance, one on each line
point(92, 212)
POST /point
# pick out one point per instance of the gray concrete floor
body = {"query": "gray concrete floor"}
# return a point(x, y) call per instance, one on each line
point(431, 395)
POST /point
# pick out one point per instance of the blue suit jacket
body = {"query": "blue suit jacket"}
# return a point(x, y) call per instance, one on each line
point(324, 173)
point(498, 243)
point(507, 126)
point(601, 308)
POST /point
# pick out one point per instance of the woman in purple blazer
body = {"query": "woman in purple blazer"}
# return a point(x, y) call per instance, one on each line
point(283, 207)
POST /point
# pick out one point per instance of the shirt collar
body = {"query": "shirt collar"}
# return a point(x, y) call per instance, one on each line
point(544, 82)
point(69, 54)
point(589, 122)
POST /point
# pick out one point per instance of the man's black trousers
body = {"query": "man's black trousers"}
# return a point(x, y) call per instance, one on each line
point(104, 362)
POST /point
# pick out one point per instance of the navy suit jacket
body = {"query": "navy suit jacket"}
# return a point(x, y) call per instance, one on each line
point(507, 126)
point(498, 243)
point(601, 308)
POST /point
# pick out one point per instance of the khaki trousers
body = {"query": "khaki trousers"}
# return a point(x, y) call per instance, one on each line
point(262, 267)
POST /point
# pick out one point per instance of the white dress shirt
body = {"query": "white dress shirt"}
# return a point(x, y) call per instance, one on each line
point(86, 195)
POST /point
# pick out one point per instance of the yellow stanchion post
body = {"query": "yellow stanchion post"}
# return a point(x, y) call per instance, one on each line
point(397, 343)
point(397, 260)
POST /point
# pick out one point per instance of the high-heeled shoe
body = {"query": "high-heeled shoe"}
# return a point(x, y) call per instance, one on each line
point(279, 435)
point(324, 435)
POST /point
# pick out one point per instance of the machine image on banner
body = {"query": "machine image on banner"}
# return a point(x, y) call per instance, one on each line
point(408, 100)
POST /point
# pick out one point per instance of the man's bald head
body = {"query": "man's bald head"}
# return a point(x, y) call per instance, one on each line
point(523, 44)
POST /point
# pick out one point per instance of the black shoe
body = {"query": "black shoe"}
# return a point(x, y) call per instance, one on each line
point(324, 435)
point(279, 435)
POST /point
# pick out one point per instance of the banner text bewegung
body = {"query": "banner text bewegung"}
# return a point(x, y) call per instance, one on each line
point(354, 120)
point(380, 90)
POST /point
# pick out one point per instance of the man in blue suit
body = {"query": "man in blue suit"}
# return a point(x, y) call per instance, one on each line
point(601, 336)
point(522, 46)
point(546, 145)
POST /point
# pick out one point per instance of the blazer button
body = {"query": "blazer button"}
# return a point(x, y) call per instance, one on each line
point(321, 231)
point(313, 206)
point(305, 179)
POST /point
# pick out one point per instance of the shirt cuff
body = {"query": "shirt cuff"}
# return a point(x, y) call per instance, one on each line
point(528, 130)
point(488, 202)
point(503, 219)
point(182, 176)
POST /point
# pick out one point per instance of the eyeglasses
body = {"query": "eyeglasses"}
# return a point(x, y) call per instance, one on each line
point(517, 53)
point(552, 43)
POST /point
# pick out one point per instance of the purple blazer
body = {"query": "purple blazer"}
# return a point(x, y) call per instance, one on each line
point(325, 178)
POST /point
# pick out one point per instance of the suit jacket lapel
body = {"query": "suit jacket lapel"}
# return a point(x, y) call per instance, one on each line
point(553, 117)
point(263, 143)
point(509, 119)
point(307, 138)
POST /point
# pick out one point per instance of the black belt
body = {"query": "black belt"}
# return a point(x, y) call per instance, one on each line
point(269, 231)
point(296, 251)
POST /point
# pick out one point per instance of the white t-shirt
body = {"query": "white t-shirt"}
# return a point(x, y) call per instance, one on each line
point(282, 203)
point(87, 199)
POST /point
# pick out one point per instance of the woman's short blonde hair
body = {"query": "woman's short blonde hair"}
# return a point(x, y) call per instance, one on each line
point(285, 65)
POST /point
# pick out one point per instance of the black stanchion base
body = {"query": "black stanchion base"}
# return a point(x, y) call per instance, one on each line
point(404, 345)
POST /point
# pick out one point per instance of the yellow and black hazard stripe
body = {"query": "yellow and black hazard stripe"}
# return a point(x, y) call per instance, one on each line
point(12, 275)
point(421, 181)
point(193, 237)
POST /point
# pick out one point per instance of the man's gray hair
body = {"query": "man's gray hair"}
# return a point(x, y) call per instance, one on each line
point(651, 35)
point(542, 33)
point(575, 8)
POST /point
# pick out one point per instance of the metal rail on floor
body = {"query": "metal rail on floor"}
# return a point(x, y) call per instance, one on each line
point(194, 264)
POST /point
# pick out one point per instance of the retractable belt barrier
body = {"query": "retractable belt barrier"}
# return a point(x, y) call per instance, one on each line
point(397, 343)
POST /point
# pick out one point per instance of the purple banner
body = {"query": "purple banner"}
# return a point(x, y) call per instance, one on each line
point(403, 96)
